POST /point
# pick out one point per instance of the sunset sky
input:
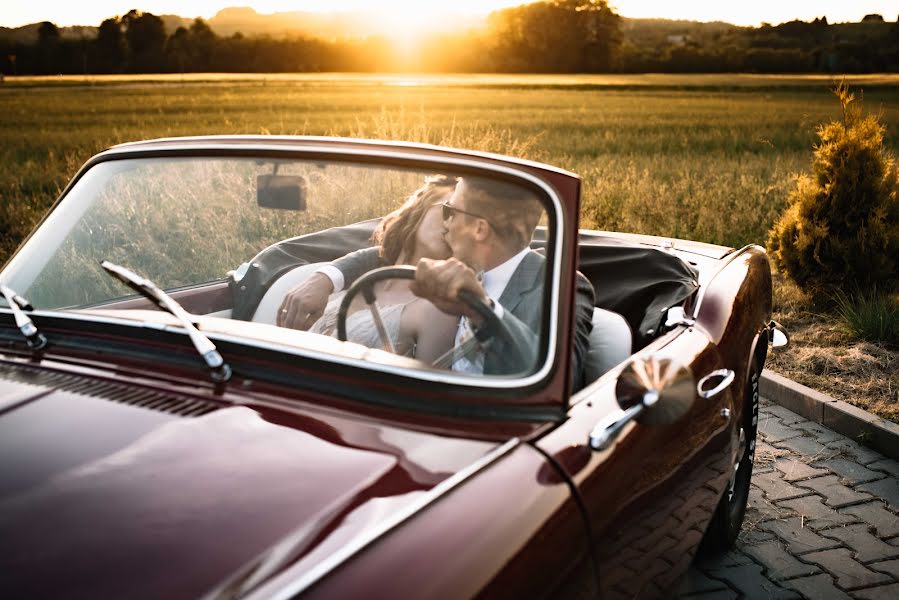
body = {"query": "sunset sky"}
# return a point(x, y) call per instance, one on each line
point(14, 13)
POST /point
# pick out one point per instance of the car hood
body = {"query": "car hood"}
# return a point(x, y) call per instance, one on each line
point(102, 498)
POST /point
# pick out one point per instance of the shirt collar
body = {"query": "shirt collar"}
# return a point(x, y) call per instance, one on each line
point(497, 278)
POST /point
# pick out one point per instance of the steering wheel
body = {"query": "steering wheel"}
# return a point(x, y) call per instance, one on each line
point(493, 327)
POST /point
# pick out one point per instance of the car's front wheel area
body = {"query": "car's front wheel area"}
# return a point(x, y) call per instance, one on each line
point(728, 518)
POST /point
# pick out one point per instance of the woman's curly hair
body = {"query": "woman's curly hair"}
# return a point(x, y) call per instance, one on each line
point(395, 234)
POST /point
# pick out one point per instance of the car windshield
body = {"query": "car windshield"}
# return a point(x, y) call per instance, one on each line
point(231, 238)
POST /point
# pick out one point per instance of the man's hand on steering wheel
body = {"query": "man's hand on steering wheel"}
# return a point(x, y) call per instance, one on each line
point(440, 282)
point(464, 302)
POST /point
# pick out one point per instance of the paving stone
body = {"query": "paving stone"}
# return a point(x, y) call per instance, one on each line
point(867, 547)
point(765, 455)
point(799, 539)
point(750, 583)
point(773, 431)
point(835, 493)
point(850, 471)
point(819, 587)
point(759, 509)
point(890, 567)
point(863, 455)
point(818, 431)
point(787, 416)
point(806, 446)
point(713, 562)
point(794, 470)
point(753, 536)
point(886, 489)
point(884, 592)
point(815, 514)
point(849, 572)
point(725, 594)
point(887, 466)
point(776, 488)
point(777, 562)
point(874, 514)
point(697, 582)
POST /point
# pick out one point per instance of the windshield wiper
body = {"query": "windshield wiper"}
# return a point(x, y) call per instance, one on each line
point(220, 370)
point(34, 339)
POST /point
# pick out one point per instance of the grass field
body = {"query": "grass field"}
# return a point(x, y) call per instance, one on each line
point(693, 157)
point(705, 157)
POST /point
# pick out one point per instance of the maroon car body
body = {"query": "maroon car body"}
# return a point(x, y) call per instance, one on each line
point(126, 472)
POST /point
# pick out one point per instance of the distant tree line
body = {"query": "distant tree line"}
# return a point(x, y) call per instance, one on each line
point(556, 36)
point(871, 46)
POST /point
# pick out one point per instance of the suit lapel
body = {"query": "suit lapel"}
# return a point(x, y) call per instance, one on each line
point(524, 279)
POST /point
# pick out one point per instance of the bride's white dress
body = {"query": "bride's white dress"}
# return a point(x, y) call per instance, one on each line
point(360, 326)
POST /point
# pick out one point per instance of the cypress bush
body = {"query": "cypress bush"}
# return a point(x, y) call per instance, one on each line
point(841, 229)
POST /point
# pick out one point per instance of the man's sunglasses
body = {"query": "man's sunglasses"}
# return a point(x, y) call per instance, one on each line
point(449, 211)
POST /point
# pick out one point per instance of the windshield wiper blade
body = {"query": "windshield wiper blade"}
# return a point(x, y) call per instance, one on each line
point(34, 339)
point(220, 371)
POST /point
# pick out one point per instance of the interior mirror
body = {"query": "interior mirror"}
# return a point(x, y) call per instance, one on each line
point(651, 391)
point(282, 192)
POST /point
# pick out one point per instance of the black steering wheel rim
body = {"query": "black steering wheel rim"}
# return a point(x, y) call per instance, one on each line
point(493, 327)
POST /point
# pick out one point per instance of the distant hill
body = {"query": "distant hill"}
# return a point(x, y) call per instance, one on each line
point(27, 34)
point(331, 26)
point(335, 26)
point(245, 20)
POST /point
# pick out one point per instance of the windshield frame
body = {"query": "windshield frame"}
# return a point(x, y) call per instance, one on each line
point(392, 156)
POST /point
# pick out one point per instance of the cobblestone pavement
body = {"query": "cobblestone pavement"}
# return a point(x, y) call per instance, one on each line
point(821, 521)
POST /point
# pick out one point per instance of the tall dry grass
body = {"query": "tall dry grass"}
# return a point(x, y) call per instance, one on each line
point(697, 162)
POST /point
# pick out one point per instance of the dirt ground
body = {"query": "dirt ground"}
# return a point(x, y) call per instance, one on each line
point(824, 356)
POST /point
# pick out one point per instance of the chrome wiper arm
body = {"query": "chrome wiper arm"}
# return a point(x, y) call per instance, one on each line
point(220, 370)
point(34, 339)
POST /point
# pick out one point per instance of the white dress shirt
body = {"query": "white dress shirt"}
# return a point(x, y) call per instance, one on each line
point(494, 282)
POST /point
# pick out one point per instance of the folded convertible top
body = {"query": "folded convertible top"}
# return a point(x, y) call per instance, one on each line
point(638, 281)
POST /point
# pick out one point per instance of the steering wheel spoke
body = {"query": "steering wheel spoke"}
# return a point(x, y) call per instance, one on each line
point(493, 327)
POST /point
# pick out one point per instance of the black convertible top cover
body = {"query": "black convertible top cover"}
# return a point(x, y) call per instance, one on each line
point(638, 281)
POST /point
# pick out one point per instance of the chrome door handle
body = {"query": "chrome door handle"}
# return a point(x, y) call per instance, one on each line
point(727, 377)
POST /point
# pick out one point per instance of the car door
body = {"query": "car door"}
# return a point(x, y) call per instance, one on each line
point(650, 494)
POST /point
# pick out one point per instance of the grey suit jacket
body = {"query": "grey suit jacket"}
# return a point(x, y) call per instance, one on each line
point(522, 303)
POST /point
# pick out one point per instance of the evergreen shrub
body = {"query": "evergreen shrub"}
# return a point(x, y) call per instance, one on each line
point(841, 229)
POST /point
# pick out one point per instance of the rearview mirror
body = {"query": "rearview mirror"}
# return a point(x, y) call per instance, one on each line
point(282, 192)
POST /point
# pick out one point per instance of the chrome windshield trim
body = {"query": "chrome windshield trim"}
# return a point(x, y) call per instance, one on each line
point(290, 583)
point(448, 377)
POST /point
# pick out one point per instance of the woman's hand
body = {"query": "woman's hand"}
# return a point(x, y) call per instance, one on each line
point(305, 303)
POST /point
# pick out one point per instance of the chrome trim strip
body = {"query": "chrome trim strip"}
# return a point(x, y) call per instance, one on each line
point(729, 259)
point(205, 141)
point(295, 586)
point(440, 377)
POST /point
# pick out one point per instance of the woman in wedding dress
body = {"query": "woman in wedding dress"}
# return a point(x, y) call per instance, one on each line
point(416, 327)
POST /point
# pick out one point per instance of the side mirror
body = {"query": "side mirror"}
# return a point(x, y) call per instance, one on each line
point(650, 391)
point(777, 335)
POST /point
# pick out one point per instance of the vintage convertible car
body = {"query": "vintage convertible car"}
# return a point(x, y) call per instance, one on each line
point(161, 436)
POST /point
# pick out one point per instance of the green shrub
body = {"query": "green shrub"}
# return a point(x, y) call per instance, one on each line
point(841, 229)
point(870, 316)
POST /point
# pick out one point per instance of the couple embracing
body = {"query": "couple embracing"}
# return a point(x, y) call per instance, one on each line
point(471, 233)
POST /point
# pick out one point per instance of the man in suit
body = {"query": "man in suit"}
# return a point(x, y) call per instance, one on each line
point(488, 225)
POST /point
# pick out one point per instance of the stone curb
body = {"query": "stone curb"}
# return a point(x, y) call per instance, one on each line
point(842, 417)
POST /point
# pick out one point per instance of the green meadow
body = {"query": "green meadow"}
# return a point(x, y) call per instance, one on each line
point(710, 158)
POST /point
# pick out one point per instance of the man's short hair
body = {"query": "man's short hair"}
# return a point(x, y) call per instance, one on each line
point(511, 209)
